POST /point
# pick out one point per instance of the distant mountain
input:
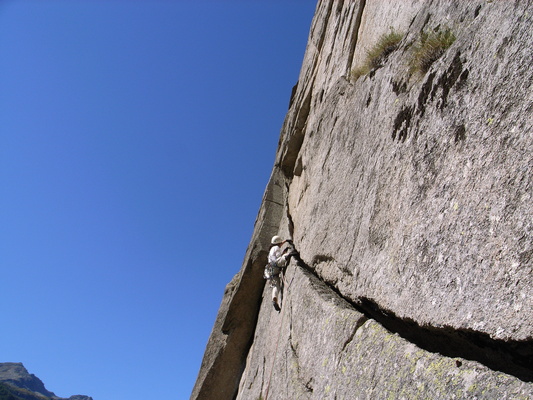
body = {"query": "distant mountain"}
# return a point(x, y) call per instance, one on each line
point(16, 383)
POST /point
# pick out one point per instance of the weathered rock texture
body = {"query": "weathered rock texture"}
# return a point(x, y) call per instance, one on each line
point(409, 196)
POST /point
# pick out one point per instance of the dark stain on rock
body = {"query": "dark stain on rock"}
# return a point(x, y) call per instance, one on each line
point(399, 87)
point(402, 123)
point(424, 94)
point(476, 13)
point(320, 258)
point(460, 133)
point(462, 79)
point(448, 79)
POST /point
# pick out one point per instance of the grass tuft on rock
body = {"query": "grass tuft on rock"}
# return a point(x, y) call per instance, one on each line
point(383, 48)
point(430, 47)
point(377, 54)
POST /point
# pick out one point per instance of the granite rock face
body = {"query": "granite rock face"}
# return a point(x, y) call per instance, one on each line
point(408, 193)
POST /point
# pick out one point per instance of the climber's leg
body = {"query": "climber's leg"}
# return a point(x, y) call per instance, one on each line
point(276, 292)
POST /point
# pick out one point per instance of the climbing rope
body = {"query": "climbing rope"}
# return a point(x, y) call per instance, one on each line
point(277, 339)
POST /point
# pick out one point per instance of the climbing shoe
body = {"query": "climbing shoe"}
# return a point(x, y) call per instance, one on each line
point(276, 306)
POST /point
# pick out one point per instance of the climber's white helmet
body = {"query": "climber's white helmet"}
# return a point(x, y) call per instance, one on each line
point(276, 240)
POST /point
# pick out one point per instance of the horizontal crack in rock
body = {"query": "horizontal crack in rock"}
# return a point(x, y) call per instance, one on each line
point(511, 357)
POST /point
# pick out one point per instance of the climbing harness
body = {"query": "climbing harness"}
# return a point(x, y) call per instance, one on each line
point(271, 270)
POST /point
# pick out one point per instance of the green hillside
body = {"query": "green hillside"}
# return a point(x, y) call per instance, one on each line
point(5, 393)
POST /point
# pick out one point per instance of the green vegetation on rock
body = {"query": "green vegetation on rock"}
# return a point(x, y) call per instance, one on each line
point(5, 393)
point(430, 46)
point(378, 53)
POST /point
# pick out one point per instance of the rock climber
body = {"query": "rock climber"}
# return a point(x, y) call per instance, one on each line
point(278, 260)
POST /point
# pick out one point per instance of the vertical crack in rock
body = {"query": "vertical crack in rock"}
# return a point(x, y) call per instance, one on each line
point(293, 94)
point(317, 56)
point(511, 357)
point(262, 377)
point(296, 137)
point(323, 36)
point(290, 222)
point(355, 35)
point(233, 332)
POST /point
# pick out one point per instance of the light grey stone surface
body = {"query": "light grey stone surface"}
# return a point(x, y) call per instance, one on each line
point(345, 355)
point(422, 195)
point(409, 197)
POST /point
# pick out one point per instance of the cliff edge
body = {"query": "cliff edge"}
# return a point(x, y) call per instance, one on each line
point(403, 176)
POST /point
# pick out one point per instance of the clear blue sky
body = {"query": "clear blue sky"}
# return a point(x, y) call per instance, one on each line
point(136, 140)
